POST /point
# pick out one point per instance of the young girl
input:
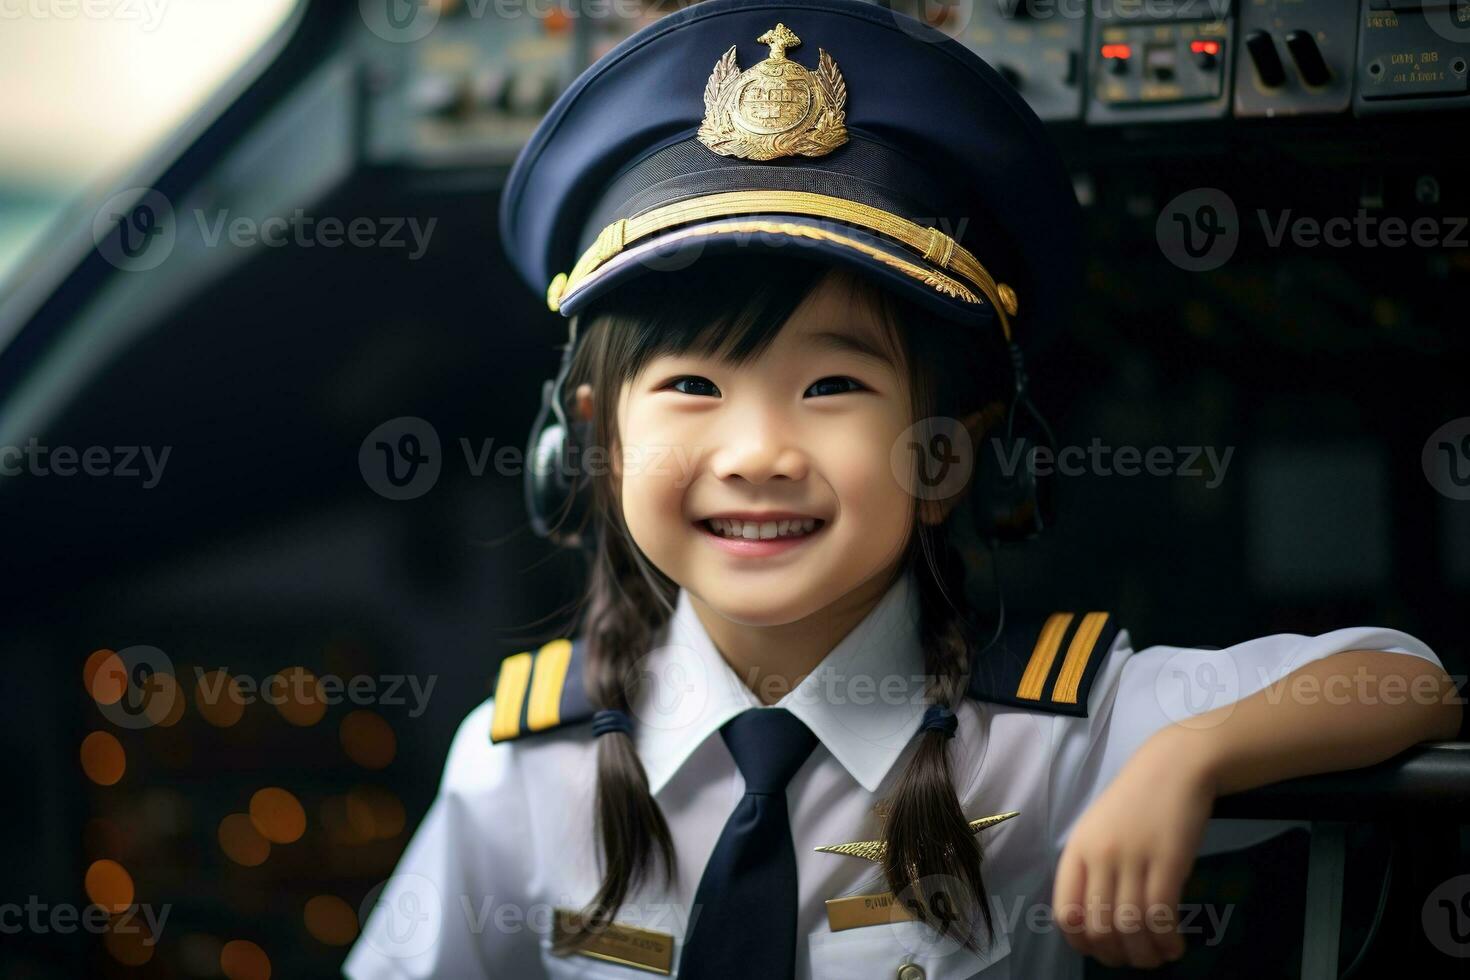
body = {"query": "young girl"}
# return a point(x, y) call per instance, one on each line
point(778, 740)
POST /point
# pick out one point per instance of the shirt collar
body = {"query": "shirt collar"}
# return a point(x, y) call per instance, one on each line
point(864, 700)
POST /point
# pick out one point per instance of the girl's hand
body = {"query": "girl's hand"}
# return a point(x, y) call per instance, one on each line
point(1123, 868)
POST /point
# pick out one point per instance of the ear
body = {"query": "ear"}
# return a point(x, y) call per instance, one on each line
point(934, 512)
point(582, 409)
point(583, 406)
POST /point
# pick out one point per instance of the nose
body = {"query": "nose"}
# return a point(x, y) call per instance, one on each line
point(758, 444)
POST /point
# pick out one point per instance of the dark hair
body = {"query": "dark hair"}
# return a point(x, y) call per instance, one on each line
point(734, 308)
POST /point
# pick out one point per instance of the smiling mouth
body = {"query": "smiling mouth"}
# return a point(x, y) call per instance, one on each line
point(799, 527)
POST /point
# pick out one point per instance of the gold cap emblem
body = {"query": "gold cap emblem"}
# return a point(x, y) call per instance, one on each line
point(776, 108)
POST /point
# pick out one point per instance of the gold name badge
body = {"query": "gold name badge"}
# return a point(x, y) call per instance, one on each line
point(864, 910)
point(642, 949)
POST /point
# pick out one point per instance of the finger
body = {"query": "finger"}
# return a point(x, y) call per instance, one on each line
point(1066, 899)
point(1137, 942)
point(1165, 880)
point(1075, 910)
point(1101, 892)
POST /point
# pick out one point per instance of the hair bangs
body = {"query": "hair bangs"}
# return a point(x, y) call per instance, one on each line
point(732, 309)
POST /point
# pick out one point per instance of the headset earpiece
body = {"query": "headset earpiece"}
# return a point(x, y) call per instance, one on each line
point(555, 484)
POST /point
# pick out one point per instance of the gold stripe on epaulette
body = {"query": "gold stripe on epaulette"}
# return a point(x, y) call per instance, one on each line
point(547, 681)
point(510, 694)
point(1042, 656)
point(1079, 652)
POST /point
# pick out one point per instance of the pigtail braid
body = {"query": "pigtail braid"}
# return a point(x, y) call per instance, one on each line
point(631, 829)
point(932, 859)
point(621, 617)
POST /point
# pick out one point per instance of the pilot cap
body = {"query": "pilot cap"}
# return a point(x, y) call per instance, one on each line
point(828, 129)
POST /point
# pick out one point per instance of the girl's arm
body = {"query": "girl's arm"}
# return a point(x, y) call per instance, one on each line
point(1343, 712)
point(1127, 858)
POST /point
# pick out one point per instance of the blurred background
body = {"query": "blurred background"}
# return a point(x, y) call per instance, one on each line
point(242, 244)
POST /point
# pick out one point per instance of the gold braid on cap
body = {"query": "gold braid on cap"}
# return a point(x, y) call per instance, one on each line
point(928, 243)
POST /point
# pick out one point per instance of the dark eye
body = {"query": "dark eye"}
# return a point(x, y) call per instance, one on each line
point(834, 385)
point(694, 385)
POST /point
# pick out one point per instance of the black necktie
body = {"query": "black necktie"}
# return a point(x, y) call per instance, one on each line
point(744, 916)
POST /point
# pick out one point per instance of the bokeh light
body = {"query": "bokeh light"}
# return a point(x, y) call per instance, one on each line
point(103, 758)
point(240, 959)
point(340, 829)
point(241, 842)
point(109, 885)
point(105, 677)
point(129, 941)
point(163, 700)
point(277, 815)
point(330, 920)
point(385, 810)
point(301, 697)
point(217, 697)
point(367, 739)
point(361, 821)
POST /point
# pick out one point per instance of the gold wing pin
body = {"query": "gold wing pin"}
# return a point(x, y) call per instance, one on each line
point(876, 850)
point(776, 108)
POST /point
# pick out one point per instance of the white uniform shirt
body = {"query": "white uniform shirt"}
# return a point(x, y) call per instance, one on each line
point(510, 834)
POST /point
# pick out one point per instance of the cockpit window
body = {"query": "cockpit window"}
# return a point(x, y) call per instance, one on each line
point(94, 86)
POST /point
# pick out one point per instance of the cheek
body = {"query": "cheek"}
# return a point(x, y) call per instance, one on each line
point(857, 463)
point(653, 482)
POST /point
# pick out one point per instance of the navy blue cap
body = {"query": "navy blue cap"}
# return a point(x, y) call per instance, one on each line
point(831, 129)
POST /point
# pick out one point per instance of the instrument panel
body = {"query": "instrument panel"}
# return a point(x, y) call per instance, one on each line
point(472, 88)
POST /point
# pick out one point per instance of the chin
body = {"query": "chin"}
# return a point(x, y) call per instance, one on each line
point(750, 603)
point(776, 601)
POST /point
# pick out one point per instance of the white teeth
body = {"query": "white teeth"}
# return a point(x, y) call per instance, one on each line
point(761, 530)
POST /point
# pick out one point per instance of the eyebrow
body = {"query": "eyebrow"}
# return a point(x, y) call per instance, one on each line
point(848, 343)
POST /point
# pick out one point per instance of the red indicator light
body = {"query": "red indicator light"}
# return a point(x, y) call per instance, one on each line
point(1204, 47)
point(1117, 51)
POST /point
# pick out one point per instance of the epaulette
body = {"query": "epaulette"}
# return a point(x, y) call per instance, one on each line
point(1049, 668)
point(539, 691)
